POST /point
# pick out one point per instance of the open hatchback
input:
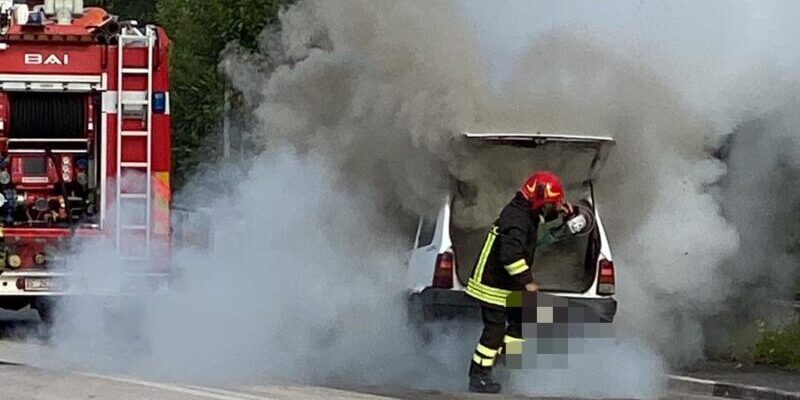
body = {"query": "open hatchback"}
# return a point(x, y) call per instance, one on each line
point(447, 243)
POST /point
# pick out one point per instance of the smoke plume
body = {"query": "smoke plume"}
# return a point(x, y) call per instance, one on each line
point(358, 107)
point(381, 103)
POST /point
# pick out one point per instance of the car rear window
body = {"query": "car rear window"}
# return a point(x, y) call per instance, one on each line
point(427, 230)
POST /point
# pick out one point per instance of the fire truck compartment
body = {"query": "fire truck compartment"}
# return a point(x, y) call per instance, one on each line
point(47, 115)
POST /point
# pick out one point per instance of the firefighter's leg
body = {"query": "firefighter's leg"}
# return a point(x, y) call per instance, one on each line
point(494, 327)
point(510, 352)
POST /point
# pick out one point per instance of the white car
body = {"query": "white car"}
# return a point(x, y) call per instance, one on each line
point(578, 268)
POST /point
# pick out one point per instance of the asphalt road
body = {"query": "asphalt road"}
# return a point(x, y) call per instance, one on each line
point(21, 338)
point(29, 383)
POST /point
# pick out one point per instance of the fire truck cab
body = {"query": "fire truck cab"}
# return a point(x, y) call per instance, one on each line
point(85, 145)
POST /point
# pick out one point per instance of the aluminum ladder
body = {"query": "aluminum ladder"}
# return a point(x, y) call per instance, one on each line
point(125, 202)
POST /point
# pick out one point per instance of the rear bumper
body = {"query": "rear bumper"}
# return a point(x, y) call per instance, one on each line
point(433, 303)
point(48, 283)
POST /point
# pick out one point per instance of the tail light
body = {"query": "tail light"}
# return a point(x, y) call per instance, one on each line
point(606, 281)
point(443, 274)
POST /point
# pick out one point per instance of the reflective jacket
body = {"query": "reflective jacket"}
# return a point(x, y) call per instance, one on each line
point(504, 262)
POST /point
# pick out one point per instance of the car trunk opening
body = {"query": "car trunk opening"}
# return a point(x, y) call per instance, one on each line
point(565, 266)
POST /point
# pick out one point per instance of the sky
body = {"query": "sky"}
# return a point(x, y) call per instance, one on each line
point(701, 47)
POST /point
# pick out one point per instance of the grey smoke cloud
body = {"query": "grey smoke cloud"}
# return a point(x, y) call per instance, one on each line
point(359, 104)
point(670, 80)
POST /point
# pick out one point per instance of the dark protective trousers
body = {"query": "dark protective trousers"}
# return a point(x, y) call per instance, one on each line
point(502, 331)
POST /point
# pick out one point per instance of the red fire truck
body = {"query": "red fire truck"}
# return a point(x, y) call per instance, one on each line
point(85, 146)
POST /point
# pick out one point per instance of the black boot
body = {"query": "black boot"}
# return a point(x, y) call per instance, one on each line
point(480, 380)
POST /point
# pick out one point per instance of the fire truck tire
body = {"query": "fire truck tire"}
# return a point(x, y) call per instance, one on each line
point(15, 303)
point(46, 310)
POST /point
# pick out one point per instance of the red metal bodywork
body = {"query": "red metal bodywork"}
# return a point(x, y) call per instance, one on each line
point(54, 51)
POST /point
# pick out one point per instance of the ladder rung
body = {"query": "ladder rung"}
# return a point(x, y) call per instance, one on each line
point(138, 39)
point(137, 102)
point(132, 38)
point(135, 70)
point(130, 164)
point(134, 133)
point(135, 196)
point(134, 227)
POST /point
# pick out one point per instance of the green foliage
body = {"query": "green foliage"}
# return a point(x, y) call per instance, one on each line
point(200, 31)
point(780, 347)
point(140, 10)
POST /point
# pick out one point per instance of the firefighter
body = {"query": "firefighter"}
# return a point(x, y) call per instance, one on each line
point(504, 266)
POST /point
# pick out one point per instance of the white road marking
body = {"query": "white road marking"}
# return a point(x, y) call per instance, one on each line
point(763, 389)
point(690, 379)
point(209, 393)
point(248, 396)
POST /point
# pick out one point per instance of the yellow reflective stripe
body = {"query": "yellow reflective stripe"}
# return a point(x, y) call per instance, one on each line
point(483, 289)
point(513, 345)
point(510, 339)
point(486, 298)
point(485, 351)
point(479, 292)
point(487, 249)
point(482, 361)
point(488, 289)
point(517, 267)
point(518, 270)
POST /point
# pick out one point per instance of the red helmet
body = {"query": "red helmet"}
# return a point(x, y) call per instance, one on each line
point(542, 188)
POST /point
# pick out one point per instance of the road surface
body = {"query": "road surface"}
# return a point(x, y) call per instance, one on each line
point(20, 332)
point(29, 383)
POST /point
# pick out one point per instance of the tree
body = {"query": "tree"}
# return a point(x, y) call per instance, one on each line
point(140, 10)
point(200, 31)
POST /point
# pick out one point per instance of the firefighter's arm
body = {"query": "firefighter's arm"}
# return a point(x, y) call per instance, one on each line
point(574, 223)
point(512, 252)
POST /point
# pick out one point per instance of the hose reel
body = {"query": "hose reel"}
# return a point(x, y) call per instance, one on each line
point(47, 115)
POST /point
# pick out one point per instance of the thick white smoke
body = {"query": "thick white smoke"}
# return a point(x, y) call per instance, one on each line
point(358, 105)
point(670, 80)
point(397, 100)
point(654, 75)
point(653, 193)
point(299, 288)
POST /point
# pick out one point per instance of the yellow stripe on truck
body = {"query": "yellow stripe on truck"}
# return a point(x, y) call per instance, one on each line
point(162, 194)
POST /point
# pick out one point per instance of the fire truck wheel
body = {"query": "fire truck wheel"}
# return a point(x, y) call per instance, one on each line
point(15, 304)
point(46, 310)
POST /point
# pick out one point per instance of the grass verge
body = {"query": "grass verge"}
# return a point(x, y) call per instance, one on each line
point(780, 347)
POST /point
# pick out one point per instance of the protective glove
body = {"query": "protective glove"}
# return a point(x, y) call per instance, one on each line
point(574, 223)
